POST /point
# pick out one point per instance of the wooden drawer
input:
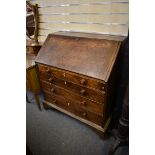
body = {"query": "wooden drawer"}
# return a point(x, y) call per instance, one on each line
point(92, 94)
point(73, 107)
point(72, 77)
point(83, 102)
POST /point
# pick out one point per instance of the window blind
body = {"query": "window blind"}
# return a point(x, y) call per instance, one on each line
point(92, 16)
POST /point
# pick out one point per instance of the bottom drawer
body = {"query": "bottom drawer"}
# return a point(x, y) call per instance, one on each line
point(73, 107)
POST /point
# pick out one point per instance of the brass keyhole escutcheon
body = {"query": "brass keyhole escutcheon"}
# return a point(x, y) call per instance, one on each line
point(84, 103)
point(83, 81)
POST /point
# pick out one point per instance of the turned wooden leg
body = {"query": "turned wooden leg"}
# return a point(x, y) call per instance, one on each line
point(36, 95)
point(46, 107)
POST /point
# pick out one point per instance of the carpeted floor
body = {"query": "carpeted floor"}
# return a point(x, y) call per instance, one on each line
point(49, 132)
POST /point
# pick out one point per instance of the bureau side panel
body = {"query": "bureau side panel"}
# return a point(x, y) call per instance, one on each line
point(111, 87)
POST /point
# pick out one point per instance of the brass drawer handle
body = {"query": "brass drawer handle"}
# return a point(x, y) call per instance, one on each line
point(102, 88)
point(83, 91)
point(84, 114)
point(65, 82)
point(83, 103)
point(52, 90)
point(83, 81)
point(50, 79)
point(54, 101)
point(47, 70)
point(68, 104)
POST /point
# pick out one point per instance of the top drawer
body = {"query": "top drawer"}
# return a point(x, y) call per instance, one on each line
point(72, 77)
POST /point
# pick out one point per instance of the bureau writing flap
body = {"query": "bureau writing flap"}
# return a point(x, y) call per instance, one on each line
point(83, 54)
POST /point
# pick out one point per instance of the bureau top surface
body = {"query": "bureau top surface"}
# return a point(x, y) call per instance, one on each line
point(90, 56)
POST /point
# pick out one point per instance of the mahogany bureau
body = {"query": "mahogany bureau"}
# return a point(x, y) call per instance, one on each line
point(77, 74)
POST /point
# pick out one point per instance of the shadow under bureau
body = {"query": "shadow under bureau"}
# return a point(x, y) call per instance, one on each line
point(77, 73)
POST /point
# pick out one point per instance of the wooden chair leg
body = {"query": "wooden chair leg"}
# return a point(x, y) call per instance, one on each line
point(46, 107)
point(121, 137)
point(27, 99)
